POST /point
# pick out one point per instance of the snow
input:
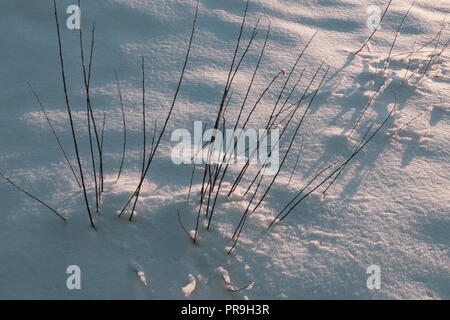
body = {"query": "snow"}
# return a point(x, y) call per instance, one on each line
point(389, 207)
point(190, 287)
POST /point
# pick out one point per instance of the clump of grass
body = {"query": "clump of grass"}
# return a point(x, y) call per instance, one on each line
point(273, 116)
point(240, 226)
point(214, 174)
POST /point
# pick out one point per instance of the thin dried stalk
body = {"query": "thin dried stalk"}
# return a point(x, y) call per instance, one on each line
point(124, 127)
point(30, 195)
point(66, 94)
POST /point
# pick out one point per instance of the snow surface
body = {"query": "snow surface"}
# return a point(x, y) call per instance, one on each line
point(390, 207)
